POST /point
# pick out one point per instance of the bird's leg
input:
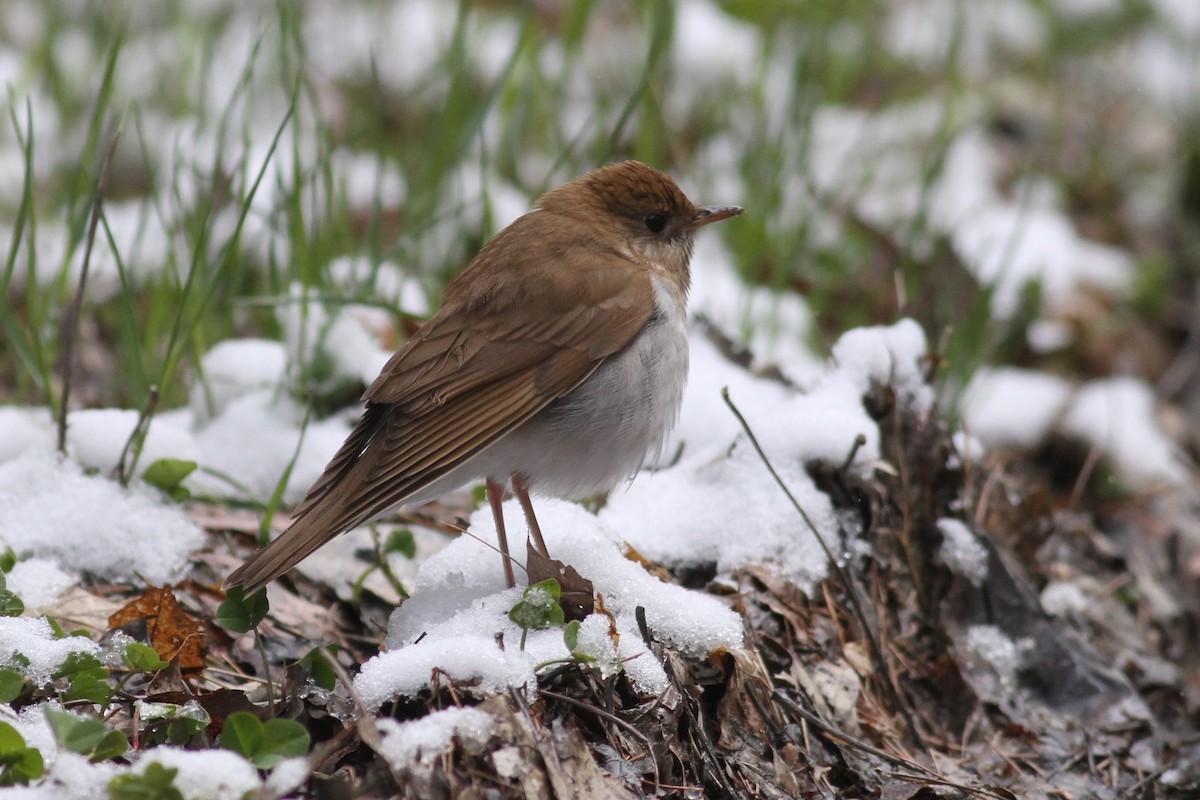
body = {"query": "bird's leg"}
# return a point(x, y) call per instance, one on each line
point(495, 496)
point(522, 494)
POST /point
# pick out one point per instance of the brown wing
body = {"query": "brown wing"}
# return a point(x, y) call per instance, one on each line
point(500, 350)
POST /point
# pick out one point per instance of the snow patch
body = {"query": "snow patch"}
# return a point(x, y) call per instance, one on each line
point(422, 740)
point(49, 508)
point(1117, 415)
point(962, 552)
point(34, 639)
point(1009, 407)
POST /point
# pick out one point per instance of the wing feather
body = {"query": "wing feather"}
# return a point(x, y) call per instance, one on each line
point(501, 349)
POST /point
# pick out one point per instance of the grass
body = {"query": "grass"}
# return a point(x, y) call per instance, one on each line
point(238, 163)
point(227, 158)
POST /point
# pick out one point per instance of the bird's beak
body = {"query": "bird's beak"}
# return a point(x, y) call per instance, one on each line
point(706, 216)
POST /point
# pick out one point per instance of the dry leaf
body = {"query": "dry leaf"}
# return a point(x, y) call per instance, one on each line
point(171, 630)
point(577, 598)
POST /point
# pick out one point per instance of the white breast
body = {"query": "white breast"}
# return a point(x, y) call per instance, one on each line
point(590, 440)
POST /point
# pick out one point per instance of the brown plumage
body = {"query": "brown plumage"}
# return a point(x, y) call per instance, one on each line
point(552, 298)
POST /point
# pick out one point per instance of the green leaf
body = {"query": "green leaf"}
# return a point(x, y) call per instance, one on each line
point(10, 604)
point(181, 729)
point(90, 688)
point(19, 764)
point(76, 664)
point(87, 736)
point(571, 640)
point(285, 738)
point(87, 678)
point(571, 636)
point(143, 658)
point(167, 474)
point(8, 559)
point(240, 613)
point(242, 733)
point(11, 685)
point(156, 783)
point(402, 542)
point(538, 607)
point(317, 666)
point(264, 745)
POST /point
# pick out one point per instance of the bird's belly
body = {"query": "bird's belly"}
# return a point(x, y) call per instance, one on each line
point(600, 433)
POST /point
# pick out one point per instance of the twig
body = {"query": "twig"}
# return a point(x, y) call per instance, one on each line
point(615, 720)
point(843, 576)
point(365, 724)
point(707, 756)
point(859, 441)
point(858, 744)
point(1085, 473)
point(75, 310)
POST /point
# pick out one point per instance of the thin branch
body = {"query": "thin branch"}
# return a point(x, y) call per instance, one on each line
point(843, 575)
point(615, 720)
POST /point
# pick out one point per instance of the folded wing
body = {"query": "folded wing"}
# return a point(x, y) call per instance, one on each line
point(501, 349)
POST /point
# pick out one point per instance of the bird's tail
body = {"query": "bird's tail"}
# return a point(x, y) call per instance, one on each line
point(303, 537)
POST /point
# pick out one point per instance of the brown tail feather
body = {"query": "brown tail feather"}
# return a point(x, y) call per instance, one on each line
point(303, 537)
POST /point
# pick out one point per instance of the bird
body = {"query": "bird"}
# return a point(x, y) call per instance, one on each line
point(555, 365)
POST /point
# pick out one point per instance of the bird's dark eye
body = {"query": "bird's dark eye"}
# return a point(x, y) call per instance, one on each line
point(655, 222)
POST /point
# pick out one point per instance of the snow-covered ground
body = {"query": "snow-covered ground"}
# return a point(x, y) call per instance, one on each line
point(709, 500)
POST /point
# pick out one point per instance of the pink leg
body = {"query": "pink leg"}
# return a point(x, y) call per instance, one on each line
point(522, 494)
point(495, 496)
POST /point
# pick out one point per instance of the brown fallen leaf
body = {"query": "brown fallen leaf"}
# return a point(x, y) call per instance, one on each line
point(171, 630)
point(577, 598)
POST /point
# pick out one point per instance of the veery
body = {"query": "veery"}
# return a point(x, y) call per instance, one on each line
point(556, 364)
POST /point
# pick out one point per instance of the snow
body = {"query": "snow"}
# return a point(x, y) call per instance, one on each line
point(422, 740)
point(67, 775)
point(723, 507)
point(931, 32)
point(255, 439)
point(38, 581)
point(34, 639)
point(995, 659)
point(594, 640)
point(213, 774)
point(704, 417)
point(288, 775)
point(97, 438)
point(456, 619)
point(891, 354)
point(23, 428)
point(1013, 407)
point(1009, 407)
point(709, 499)
point(969, 449)
point(334, 347)
point(49, 508)
point(775, 326)
point(1064, 599)
point(233, 369)
point(1007, 246)
point(383, 281)
point(709, 45)
point(962, 551)
point(1117, 416)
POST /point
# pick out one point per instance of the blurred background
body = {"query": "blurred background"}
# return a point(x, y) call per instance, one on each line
point(1021, 176)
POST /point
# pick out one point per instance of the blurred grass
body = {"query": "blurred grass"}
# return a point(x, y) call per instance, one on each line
point(519, 98)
